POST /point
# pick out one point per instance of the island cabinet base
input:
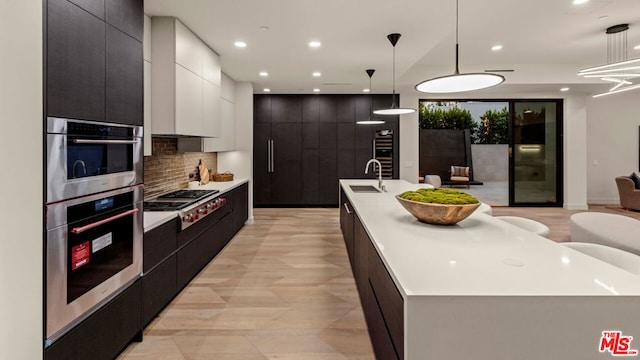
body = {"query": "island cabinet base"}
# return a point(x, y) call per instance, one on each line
point(381, 301)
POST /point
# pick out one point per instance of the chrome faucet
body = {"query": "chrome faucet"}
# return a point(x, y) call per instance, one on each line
point(366, 171)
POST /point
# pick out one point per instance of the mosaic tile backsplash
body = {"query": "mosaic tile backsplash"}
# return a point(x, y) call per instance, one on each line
point(167, 170)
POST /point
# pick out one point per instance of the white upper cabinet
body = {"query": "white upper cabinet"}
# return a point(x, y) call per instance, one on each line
point(211, 108)
point(226, 141)
point(189, 49)
point(186, 82)
point(211, 67)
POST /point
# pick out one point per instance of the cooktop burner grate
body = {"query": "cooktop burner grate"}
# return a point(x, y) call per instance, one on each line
point(165, 205)
point(188, 194)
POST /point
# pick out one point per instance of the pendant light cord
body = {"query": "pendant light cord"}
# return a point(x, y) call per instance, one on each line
point(393, 103)
point(457, 68)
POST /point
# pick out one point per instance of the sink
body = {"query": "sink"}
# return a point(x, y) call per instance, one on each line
point(364, 189)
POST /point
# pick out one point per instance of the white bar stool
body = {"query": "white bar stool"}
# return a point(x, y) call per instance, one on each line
point(527, 224)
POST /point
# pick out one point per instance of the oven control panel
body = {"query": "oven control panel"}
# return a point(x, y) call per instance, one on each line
point(192, 215)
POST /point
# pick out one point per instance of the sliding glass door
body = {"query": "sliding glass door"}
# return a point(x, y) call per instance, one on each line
point(535, 153)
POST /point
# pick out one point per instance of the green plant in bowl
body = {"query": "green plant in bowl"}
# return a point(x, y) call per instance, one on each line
point(438, 206)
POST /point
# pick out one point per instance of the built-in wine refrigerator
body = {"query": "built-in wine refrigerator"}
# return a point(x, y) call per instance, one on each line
point(383, 151)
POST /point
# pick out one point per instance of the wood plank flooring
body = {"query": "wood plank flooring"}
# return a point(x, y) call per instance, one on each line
point(283, 289)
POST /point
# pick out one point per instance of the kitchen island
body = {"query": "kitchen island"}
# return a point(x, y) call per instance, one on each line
point(480, 289)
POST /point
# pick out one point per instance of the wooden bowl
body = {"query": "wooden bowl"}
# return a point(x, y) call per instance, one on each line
point(439, 214)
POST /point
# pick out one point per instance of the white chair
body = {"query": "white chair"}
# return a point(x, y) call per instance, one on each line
point(527, 224)
point(616, 257)
point(433, 180)
point(618, 231)
point(485, 208)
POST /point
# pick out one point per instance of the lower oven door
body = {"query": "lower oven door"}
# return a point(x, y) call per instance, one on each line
point(94, 250)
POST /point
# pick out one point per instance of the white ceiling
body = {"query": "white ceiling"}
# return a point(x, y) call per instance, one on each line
point(545, 42)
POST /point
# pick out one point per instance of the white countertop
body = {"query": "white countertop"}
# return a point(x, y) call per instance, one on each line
point(480, 255)
point(153, 219)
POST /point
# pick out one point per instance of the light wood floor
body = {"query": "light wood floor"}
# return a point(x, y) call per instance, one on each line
point(282, 289)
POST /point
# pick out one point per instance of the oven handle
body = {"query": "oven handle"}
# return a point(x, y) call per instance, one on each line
point(81, 229)
point(107, 142)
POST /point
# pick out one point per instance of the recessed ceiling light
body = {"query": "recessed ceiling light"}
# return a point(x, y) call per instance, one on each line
point(366, 90)
point(240, 44)
point(496, 47)
point(316, 90)
point(264, 28)
point(264, 73)
point(637, 47)
point(314, 44)
point(317, 74)
point(266, 90)
point(578, 2)
point(564, 89)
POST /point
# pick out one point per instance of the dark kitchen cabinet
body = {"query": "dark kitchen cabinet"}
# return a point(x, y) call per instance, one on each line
point(315, 142)
point(159, 268)
point(346, 224)
point(381, 301)
point(240, 211)
point(75, 65)
point(124, 91)
point(106, 332)
point(127, 16)
point(172, 258)
point(278, 163)
point(95, 7)
point(94, 68)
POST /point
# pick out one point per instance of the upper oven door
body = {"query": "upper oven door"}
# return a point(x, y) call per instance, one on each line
point(86, 157)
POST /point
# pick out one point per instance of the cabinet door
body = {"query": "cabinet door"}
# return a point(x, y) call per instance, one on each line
point(311, 176)
point(95, 7)
point(286, 108)
point(147, 108)
point(345, 108)
point(125, 83)
point(287, 163)
point(346, 224)
point(188, 102)
point(127, 16)
point(211, 68)
point(261, 164)
point(188, 49)
point(328, 174)
point(311, 108)
point(158, 288)
point(227, 139)
point(261, 108)
point(75, 62)
point(211, 109)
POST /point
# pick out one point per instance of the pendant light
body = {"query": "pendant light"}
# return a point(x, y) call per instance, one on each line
point(394, 110)
point(619, 71)
point(459, 82)
point(370, 121)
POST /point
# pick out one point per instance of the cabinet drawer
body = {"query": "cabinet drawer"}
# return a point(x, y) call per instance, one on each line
point(388, 299)
point(158, 288)
point(158, 244)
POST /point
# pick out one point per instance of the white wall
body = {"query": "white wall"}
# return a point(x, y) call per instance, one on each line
point(612, 143)
point(21, 298)
point(575, 153)
point(409, 139)
point(240, 162)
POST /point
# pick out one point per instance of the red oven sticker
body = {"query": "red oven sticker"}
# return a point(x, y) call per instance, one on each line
point(80, 255)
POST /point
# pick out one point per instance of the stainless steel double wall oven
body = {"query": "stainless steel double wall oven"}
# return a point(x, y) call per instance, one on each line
point(94, 217)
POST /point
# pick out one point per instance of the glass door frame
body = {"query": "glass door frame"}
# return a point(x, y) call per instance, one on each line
point(559, 153)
